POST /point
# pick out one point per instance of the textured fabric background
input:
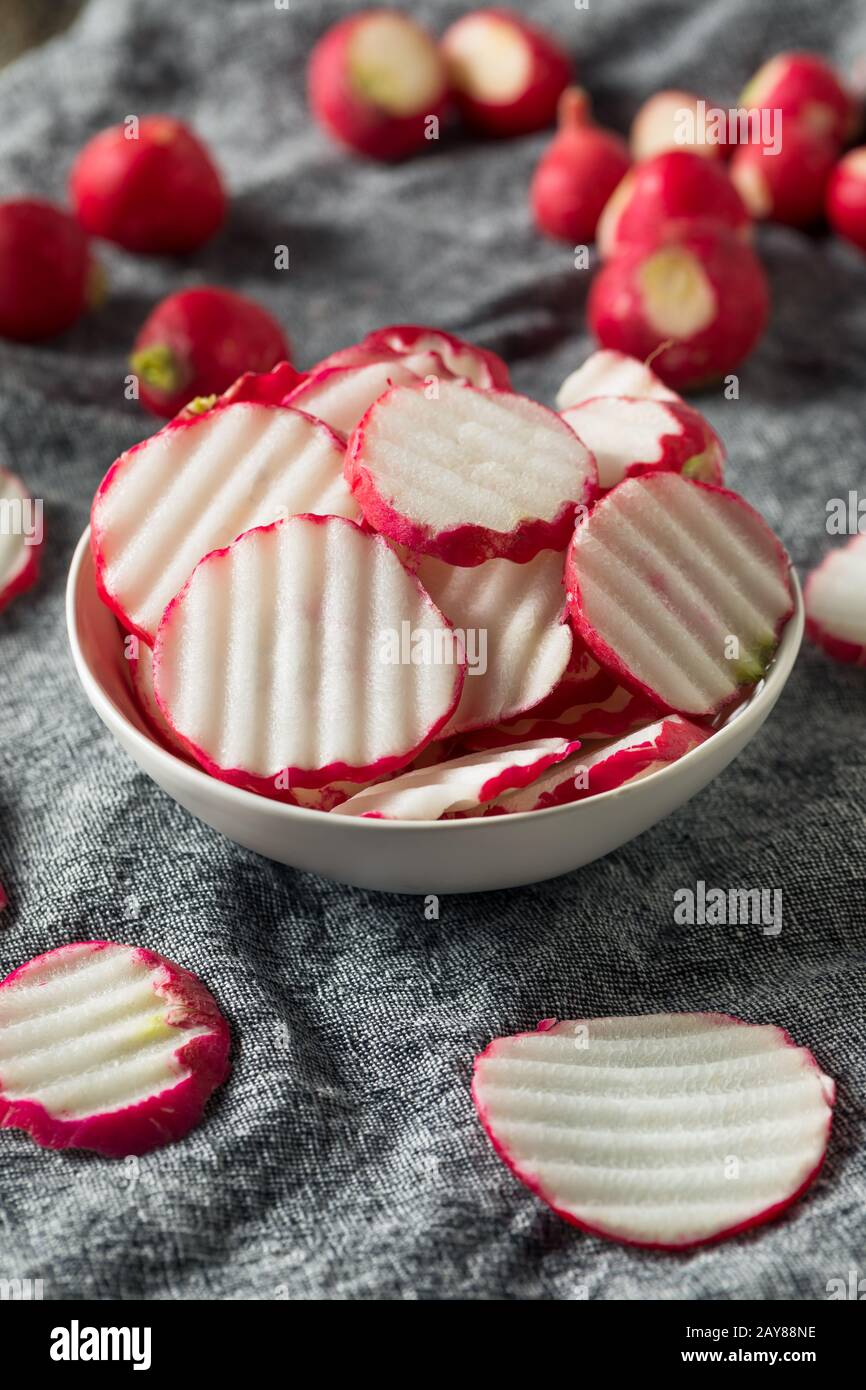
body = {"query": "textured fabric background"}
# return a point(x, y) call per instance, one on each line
point(343, 1159)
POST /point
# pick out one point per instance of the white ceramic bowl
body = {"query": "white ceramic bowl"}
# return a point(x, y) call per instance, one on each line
point(432, 857)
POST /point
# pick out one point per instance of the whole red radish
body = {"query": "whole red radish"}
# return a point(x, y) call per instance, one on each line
point(374, 81)
point(506, 74)
point(675, 120)
point(577, 173)
point(47, 275)
point(787, 186)
point(696, 301)
point(672, 187)
point(846, 198)
point(807, 91)
point(197, 342)
point(150, 187)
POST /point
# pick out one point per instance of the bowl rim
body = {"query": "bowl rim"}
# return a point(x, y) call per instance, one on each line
point(767, 692)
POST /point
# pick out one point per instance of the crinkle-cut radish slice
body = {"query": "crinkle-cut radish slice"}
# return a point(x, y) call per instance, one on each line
point(611, 713)
point(107, 1047)
point(423, 349)
point(341, 396)
point(660, 1130)
point(836, 603)
point(19, 558)
point(460, 785)
point(610, 373)
point(629, 436)
point(512, 619)
point(283, 662)
point(469, 475)
point(141, 677)
point(195, 486)
point(680, 589)
point(602, 767)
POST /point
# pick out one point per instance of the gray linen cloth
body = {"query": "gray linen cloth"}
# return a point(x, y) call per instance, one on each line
point(343, 1158)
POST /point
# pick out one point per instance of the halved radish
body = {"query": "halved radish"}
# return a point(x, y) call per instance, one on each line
point(107, 1047)
point(20, 538)
point(609, 711)
point(628, 437)
point(517, 642)
point(198, 484)
point(461, 785)
point(836, 603)
point(422, 347)
point(468, 475)
point(661, 1130)
point(680, 589)
point(506, 73)
point(602, 767)
point(609, 373)
point(281, 662)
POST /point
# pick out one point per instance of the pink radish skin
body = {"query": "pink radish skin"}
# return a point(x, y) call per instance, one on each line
point(611, 712)
point(835, 599)
point(374, 81)
point(658, 128)
point(605, 766)
point(19, 562)
point(607, 373)
point(506, 74)
point(701, 567)
point(138, 571)
point(807, 91)
point(630, 1040)
point(141, 679)
point(846, 198)
point(675, 187)
point(422, 346)
point(198, 1065)
point(787, 186)
point(460, 785)
point(260, 388)
point(629, 437)
point(295, 621)
point(577, 174)
point(477, 432)
point(696, 302)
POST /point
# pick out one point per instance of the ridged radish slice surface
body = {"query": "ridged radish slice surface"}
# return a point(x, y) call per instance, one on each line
point(836, 603)
point(610, 373)
point(19, 560)
point(107, 1047)
point(141, 675)
point(422, 347)
point(517, 645)
point(628, 437)
point(342, 395)
point(198, 484)
point(611, 713)
point(305, 654)
point(606, 765)
point(661, 1130)
point(680, 589)
point(460, 785)
point(468, 475)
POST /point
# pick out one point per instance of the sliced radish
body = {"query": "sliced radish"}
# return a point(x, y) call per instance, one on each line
point(341, 396)
point(609, 712)
point(265, 388)
point(609, 373)
point(517, 644)
point(602, 767)
point(423, 347)
point(629, 437)
point(107, 1047)
point(141, 676)
point(676, 120)
point(460, 785)
point(661, 1130)
point(468, 475)
point(836, 603)
point(281, 662)
point(19, 542)
point(198, 484)
point(680, 589)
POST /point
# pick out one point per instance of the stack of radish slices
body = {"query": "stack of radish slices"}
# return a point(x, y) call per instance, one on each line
point(395, 588)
